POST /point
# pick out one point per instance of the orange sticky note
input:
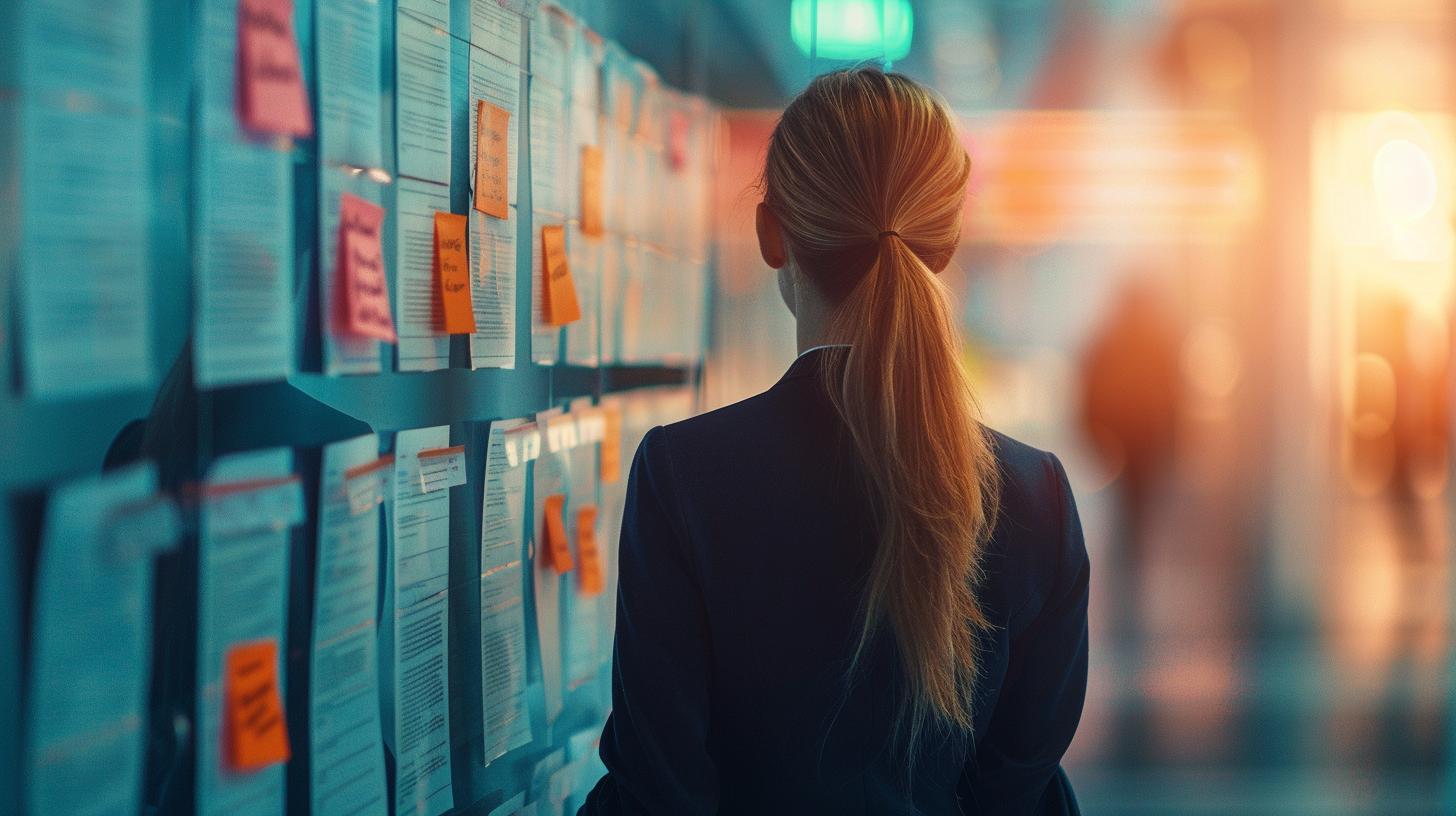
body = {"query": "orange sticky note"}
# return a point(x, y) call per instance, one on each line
point(610, 464)
point(591, 191)
point(452, 273)
point(556, 550)
point(363, 290)
point(560, 300)
point(593, 580)
point(255, 732)
point(492, 173)
point(270, 91)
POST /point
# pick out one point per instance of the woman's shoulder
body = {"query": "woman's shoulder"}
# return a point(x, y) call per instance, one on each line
point(708, 443)
point(741, 434)
point(1027, 474)
point(1036, 544)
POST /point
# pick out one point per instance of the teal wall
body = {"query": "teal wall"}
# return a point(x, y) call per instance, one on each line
point(43, 442)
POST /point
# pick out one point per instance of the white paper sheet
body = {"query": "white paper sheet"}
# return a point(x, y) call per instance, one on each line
point(493, 290)
point(585, 255)
point(436, 11)
point(583, 612)
point(242, 317)
point(84, 288)
point(419, 612)
point(551, 474)
point(506, 720)
point(242, 596)
point(91, 658)
point(551, 36)
point(346, 762)
point(497, 29)
point(422, 98)
point(97, 50)
point(348, 82)
point(422, 347)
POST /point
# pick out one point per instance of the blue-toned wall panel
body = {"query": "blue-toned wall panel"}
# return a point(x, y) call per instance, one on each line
point(42, 442)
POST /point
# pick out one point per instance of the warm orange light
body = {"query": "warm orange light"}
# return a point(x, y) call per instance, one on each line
point(1371, 399)
point(1211, 362)
point(1218, 55)
point(1108, 177)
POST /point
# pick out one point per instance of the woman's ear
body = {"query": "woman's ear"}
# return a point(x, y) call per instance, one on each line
point(770, 237)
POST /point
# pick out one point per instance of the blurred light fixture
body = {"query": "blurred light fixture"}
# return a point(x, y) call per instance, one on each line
point(1384, 197)
point(852, 29)
point(1404, 178)
point(1042, 176)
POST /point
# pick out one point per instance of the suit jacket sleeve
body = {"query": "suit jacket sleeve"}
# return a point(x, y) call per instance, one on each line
point(655, 742)
point(1015, 768)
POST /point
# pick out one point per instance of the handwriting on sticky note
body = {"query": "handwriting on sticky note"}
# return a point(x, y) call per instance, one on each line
point(593, 577)
point(271, 94)
point(363, 288)
point(591, 191)
point(255, 730)
point(610, 464)
point(452, 273)
point(368, 290)
point(555, 547)
point(492, 169)
point(560, 301)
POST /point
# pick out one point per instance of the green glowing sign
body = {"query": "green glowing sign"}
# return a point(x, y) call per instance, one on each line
point(852, 29)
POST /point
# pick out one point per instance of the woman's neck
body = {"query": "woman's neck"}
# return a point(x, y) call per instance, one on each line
point(811, 321)
point(808, 340)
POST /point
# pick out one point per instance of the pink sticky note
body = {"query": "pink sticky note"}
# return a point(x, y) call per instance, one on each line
point(677, 140)
point(362, 286)
point(271, 96)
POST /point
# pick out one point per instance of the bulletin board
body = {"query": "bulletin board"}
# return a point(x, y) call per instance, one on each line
point(200, 443)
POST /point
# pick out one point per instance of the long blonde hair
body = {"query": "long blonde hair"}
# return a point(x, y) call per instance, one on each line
point(867, 177)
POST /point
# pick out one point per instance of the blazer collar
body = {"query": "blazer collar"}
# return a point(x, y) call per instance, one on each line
point(809, 362)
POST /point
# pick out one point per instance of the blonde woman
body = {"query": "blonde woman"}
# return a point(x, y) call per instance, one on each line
point(845, 595)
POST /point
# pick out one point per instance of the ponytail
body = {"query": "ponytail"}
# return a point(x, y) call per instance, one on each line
point(867, 177)
point(905, 400)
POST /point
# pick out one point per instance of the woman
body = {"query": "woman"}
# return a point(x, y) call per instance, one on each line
point(845, 595)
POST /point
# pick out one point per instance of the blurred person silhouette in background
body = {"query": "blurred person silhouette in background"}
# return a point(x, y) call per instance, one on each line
point(1389, 576)
point(1131, 394)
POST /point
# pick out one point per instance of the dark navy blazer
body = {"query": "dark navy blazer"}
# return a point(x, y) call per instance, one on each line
point(744, 551)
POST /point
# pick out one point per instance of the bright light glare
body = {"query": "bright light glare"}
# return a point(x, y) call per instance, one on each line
point(852, 29)
point(1405, 180)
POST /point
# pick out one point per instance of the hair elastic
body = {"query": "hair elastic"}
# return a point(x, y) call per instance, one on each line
point(891, 232)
